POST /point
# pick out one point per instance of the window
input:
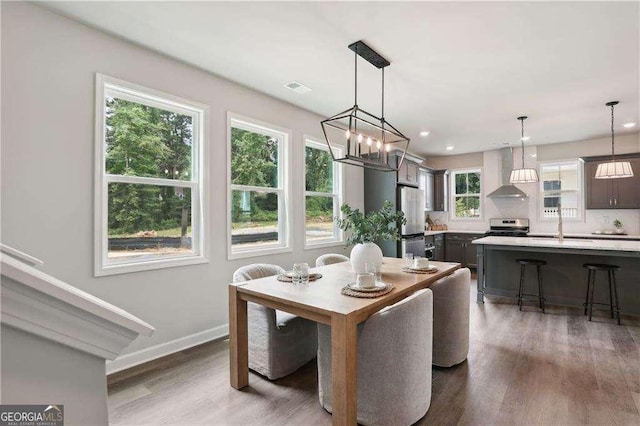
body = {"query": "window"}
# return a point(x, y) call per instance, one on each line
point(258, 188)
point(149, 175)
point(466, 194)
point(323, 195)
point(560, 185)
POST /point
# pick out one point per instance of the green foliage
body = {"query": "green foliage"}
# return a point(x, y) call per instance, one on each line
point(148, 142)
point(383, 224)
point(254, 159)
point(617, 223)
point(319, 170)
point(467, 206)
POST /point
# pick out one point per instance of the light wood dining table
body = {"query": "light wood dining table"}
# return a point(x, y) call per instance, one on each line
point(321, 301)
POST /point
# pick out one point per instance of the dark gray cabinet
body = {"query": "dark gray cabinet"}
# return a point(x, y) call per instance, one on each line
point(440, 190)
point(459, 248)
point(438, 243)
point(612, 193)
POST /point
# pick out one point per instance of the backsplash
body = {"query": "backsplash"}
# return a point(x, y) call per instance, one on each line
point(595, 220)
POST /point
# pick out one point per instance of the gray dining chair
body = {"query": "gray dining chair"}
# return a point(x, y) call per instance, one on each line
point(279, 342)
point(394, 363)
point(451, 318)
point(330, 258)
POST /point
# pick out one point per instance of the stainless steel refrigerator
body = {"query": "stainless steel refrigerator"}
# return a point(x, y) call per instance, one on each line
point(411, 202)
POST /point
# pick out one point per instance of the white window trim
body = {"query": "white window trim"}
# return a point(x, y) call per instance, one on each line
point(284, 189)
point(199, 193)
point(452, 194)
point(337, 194)
point(581, 191)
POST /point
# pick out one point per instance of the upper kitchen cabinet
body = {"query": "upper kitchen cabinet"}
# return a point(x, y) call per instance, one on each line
point(426, 184)
point(621, 193)
point(408, 173)
point(440, 190)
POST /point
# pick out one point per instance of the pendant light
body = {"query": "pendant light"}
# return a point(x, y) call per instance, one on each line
point(613, 169)
point(523, 175)
point(359, 138)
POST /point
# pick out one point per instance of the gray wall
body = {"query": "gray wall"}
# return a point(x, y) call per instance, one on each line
point(48, 66)
point(39, 371)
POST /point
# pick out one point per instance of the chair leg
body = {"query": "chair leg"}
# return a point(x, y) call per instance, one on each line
point(586, 298)
point(540, 292)
point(593, 286)
point(609, 273)
point(615, 293)
point(520, 287)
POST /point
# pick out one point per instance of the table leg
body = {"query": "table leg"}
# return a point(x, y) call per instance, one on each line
point(480, 272)
point(238, 340)
point(344, 361)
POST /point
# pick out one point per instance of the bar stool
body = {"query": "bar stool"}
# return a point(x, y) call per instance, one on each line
point(591, 284)
point(523, 264)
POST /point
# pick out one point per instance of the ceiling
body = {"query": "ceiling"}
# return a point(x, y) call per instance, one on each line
point(462, 71)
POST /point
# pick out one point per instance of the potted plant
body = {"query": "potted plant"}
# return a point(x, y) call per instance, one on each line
point(618, 225)
point(366, 229)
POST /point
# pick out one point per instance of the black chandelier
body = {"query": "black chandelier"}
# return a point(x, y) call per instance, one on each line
point(359, 138)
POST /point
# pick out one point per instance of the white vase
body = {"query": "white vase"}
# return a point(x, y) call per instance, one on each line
point(363, 254)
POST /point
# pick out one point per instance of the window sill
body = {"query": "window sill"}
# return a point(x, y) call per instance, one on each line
point(149, 265)
point(258, 252)
point(324, 244)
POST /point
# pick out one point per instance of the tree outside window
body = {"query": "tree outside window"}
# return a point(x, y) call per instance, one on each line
point(258, 217)
point(466, 193)
point(323, 195)
point(151, 179)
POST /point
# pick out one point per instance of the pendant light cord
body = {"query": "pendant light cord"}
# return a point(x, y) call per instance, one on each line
point(355, 96)
point(613, 155)
point(522, 139)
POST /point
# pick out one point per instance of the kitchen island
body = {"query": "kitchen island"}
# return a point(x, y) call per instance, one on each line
point(563, 277)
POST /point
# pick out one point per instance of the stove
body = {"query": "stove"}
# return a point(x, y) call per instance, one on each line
point(508, 228)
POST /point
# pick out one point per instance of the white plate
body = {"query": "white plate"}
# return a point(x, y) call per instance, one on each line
point(379, 286)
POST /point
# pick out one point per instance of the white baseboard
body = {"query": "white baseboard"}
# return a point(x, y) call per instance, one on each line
point(154, 352)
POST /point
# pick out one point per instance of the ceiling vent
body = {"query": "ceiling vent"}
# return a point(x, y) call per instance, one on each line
point(298, 87)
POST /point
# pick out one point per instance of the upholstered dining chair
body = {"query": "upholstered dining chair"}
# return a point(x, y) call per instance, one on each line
point(451, 318)
point(329, 258)
point(279, 342)
point(394, 363)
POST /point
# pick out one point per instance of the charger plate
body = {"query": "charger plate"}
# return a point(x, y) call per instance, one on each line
point(366, 294)
point(429, 270)
point(287, 277)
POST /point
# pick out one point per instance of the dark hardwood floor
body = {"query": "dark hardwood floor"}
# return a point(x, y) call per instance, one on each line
point(524, 368)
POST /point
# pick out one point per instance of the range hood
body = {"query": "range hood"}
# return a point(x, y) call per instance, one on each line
point(507, 190)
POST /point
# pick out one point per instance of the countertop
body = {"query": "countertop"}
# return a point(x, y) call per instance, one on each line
point(580, 244)
point(546, 234)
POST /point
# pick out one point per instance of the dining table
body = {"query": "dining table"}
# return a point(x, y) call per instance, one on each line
point(322, 301)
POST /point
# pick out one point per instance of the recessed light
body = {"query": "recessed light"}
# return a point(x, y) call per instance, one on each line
point(526, 138)
point(534, 155)
point(628, 125)
point(449, 147)
point(424, 133)
point(297, 87)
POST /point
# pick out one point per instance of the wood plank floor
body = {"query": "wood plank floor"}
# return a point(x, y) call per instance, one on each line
point(524, 368)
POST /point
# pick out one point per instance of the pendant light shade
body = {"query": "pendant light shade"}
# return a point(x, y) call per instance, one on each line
point(613, 169)
point(359, 138)
point(523, 175)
